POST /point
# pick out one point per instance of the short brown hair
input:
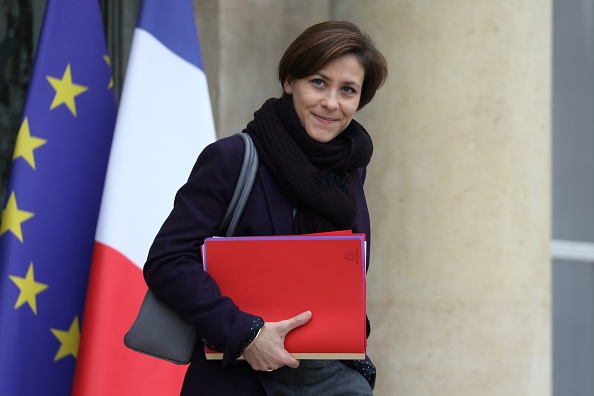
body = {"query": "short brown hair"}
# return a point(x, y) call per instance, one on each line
point(326, 41)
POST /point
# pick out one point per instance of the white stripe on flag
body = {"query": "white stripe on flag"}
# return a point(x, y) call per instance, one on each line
point(164, 122)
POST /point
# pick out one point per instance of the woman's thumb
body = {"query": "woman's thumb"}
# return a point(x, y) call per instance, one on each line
point(299, 320)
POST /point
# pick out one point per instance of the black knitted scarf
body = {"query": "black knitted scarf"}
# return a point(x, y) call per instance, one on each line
point(319, 178)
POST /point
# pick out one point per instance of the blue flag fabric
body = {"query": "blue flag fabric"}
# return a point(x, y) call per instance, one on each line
point(49, 216)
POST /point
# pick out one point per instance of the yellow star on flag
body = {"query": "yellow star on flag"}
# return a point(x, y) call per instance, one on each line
point(29, 289)
point(12, 218)
point(66, 90)
point(25, 144)
point(108, 61)
point(69, 340)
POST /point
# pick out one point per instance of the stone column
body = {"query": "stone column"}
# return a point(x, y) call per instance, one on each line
point(459, 285)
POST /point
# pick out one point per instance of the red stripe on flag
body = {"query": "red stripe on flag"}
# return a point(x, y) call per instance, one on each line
point(105, 366)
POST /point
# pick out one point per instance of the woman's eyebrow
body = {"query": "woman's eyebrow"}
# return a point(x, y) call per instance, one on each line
point(348, 82)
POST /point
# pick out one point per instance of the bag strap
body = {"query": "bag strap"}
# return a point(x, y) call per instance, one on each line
point(245, 182)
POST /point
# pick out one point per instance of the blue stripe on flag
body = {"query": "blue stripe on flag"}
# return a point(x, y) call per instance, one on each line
point(170, 23)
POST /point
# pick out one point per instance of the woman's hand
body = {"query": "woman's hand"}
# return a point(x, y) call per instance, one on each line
point(268, 350)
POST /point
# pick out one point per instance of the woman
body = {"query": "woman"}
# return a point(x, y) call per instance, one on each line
point(313, 158)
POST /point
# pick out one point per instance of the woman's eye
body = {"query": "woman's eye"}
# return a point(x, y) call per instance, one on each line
point(348, 90)
point(317, 82)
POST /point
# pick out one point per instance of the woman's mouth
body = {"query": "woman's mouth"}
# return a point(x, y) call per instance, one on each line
point(325, 120)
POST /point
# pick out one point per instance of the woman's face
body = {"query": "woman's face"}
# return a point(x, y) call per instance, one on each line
point(327, 100)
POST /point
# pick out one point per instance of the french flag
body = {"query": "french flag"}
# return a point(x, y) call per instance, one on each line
point(164, 121)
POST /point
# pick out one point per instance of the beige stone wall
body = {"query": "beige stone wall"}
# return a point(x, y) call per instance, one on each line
point(459, 293)
point(459, 194)
point(242, 42)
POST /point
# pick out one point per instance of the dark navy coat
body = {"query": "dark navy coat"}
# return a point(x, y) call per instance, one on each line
point(174, 266)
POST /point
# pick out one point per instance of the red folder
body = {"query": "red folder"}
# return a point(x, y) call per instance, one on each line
point(278, 277)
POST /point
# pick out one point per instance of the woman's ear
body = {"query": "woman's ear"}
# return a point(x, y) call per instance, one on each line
point(288, 86)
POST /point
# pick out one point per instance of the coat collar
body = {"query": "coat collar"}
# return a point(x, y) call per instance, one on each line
point(281, 211)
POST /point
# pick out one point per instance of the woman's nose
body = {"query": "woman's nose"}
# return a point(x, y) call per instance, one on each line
point(330, 101)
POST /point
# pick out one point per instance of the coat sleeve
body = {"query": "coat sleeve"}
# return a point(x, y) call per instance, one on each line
point(174, 271)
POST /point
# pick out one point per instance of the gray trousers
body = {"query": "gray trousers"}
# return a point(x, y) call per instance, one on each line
point(321, 378)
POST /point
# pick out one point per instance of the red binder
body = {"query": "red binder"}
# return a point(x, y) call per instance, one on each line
point(278, 277)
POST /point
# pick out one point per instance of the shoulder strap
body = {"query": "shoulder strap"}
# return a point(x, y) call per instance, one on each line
point(245, 182)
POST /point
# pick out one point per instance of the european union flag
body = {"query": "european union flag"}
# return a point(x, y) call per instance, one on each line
point(47, 229)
